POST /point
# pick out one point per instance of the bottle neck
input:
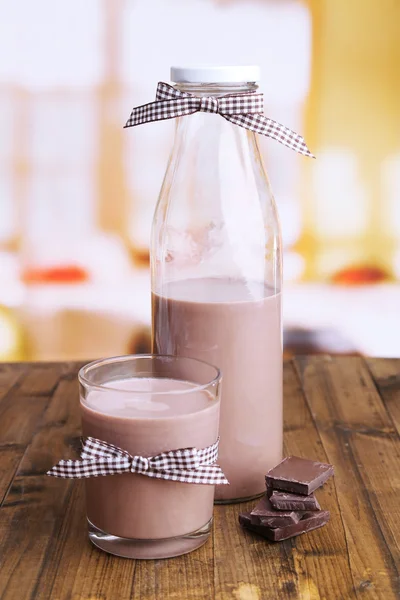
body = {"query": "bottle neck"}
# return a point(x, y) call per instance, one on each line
point(216, 89)
point(209, 147)
point(206, 136)
point(212, 125)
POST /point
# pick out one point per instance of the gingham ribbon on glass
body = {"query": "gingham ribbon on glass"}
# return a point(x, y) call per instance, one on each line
point(187, 465)
point(244, 109)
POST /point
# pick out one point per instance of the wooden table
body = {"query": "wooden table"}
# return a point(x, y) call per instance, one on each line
point(341, 410)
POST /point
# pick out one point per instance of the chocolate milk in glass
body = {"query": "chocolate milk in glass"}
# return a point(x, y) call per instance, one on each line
point(139, 507)
point(236, 326)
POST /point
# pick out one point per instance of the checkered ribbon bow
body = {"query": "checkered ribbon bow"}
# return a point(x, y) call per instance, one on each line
point(187, 465)
point(244, 109)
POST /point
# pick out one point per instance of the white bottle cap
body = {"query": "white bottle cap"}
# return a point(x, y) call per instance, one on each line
point(206, 74)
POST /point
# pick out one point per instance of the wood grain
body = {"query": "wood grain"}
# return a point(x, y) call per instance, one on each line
point(9, 375)
point(338, 410)
point(34, 508)
point(24, 394)
point(189, 576)
point(10, 457)
point(386, 375)
point(360, 440)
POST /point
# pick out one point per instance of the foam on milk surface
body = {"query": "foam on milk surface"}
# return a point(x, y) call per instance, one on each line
point(148, 397)
point(214, 289)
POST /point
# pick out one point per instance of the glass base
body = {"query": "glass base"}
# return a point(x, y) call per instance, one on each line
point(237, 500)
point(149, 549)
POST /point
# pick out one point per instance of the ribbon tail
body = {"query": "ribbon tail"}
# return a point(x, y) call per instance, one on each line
point(168, 92)
point(93, 449)
point(79, 469)
point(141, 114)
point(205, 474)
point(71, 469)
point(261, 124)
point(217, 474)
point(162, 110)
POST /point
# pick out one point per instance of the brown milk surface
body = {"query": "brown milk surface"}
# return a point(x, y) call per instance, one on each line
point(236, 326)
point(136, 506)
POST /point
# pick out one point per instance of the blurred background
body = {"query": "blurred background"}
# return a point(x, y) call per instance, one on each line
point(77, 191)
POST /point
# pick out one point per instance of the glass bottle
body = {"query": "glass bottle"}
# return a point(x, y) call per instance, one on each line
point(216, 276)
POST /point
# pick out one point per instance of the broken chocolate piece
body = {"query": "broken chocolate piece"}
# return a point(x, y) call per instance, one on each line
point(265, 514)
point(245, 521)
point(298, 475)
point(286, 501)
point(311, 520)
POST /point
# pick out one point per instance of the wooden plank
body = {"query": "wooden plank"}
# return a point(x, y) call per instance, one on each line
point(33, 512)
point(9, 375)
point(320, 558)
point(20, 412)
point(247, 566)
point(189, 576)
point(10, 457)
point(310, 566)
point(22, 406)
point(386, 374)
point(359, 439)
point(41, 379)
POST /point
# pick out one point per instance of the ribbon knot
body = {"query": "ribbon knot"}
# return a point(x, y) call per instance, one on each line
point(187, 458)
point(187, 465)
point(209, 104)
point(244, 109)
point(139, 464)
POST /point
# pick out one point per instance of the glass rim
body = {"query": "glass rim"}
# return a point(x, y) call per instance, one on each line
point(133, 357)
point(217, 88)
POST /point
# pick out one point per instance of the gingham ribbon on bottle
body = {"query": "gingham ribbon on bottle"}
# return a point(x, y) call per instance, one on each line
point(187, 465)
point(244, 109)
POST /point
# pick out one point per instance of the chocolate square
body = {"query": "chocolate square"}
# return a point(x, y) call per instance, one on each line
point(286, 501)
point(265, 514)
point(311, 520)
point(298, 475)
